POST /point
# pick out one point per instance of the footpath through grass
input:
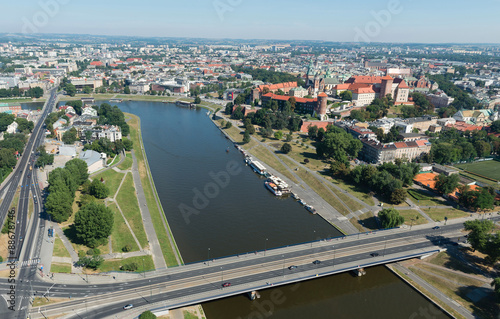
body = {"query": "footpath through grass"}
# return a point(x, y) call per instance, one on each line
point(111, 179)
point(121, 235)
point(129, 205)
point(156, 215)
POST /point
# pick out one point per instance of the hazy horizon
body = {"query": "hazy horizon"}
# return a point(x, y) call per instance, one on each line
point(392, 21)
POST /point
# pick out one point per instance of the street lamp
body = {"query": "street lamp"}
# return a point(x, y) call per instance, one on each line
point(314, 236)
point(143, 269)
point(222, 276)
point(333, 261)
point(208, 259)
point(283, 265)
point(385, 245)
point(265, 247)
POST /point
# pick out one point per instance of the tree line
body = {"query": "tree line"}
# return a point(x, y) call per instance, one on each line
point(269, 76)
point(454, 146)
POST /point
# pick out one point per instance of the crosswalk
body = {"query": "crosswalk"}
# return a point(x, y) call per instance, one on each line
point(30, 262)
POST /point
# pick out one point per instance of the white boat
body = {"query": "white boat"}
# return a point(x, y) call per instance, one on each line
point(301, 202)
point(273, 188)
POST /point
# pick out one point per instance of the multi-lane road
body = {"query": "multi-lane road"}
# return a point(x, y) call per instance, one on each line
point(26, 244)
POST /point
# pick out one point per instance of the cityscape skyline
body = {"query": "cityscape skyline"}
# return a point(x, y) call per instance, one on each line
point(394, 21)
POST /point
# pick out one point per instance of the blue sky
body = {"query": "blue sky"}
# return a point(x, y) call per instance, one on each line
point(374, 21)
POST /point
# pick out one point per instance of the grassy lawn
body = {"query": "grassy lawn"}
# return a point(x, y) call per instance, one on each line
point(112, 180)
point(237, 135)
point(411, 213)
point(439, 214)
point(121, 235)
point(490, 169)
point(31, 207)
point(444, 259)
point(267, 157)
point(358, 192)
point(127, 162)
point(59, 248)
point(457, 291)
point(322, 191)
point(351, 203)
point(39, 301)
point(357, 224)
point(127, 200)
point(114, 160)
point(300, 153)
point(60, 268)
point(115, 264)
point(429, 295)
point(15, 201)
point(480, 179)
point(424, 198)
point(368, 220)
point(188, 315)
point(157, 216)
point(17, 100)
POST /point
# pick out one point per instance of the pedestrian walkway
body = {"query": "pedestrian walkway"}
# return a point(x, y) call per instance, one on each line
point(434, 292)
point(154, 244)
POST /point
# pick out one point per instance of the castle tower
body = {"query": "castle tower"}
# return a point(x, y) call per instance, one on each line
point(386, 86)
point(320, 109)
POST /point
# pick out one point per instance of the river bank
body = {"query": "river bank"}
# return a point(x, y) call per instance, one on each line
point(169, 248)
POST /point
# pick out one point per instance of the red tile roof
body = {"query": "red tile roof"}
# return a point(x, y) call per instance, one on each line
point(286, 98)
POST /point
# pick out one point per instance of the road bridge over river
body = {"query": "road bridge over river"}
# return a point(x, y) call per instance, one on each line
point(105, 296)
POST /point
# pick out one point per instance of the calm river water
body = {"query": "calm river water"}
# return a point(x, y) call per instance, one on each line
point(236, 214)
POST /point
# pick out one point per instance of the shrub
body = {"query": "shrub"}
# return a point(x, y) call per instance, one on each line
point(130, 267)
point(126, 248)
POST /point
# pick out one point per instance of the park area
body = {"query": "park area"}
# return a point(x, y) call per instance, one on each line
point(489, 169)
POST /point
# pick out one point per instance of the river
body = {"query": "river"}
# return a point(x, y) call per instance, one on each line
point(237, 214)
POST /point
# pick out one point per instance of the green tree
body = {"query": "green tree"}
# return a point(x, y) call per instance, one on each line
point(278, 135)
point(126, 90)
point(312, 131)
point(93, 224)
point(390, 218)
point(197, 100)
point(229, 124)
point(78, 169)
point(70, 136)
point(478, 233)
point(6, 120)
point(23, 125)
point(98, 189)
point(127, 144)
point(398, 196)
point(87, 90)
point(496, 285)
point(147, 315)
point(346, 95)
point(286, 148)
point(70, 89)
point(91, 262)
point(447, 184)
point(246, 137)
